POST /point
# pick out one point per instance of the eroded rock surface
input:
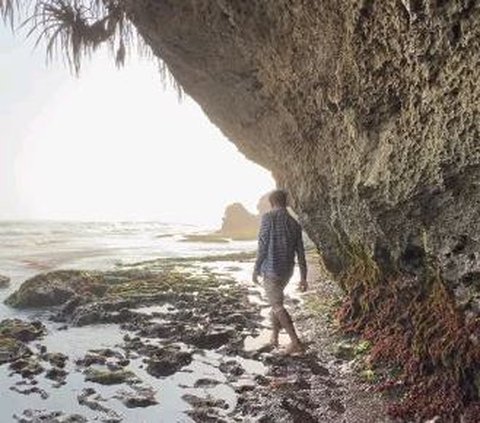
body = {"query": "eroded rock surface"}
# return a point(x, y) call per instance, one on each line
point(15, 334)
point(367, 112)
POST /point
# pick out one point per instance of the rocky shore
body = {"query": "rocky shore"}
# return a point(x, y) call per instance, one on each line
point(184, 333)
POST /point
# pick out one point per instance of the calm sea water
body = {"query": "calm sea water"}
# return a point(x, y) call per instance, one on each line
point(29, 248)
point(40, 246)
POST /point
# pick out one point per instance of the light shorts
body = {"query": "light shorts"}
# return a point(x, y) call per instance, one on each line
point(274, 290)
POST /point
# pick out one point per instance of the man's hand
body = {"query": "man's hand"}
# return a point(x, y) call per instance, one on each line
point(303, 285)
point(255, 278)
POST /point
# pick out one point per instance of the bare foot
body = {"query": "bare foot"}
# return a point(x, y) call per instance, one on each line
point(269, 346)
point(274, 342)
point(294, 349)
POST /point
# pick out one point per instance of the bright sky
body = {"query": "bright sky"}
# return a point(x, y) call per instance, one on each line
point(110, 145)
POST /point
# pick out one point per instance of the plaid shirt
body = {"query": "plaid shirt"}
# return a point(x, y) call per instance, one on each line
point(279, 239)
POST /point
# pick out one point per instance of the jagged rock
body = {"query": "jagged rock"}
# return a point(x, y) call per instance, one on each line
point(89, 398)
point(239, 223)
point(27, 367)
point(232, 368)
point(32, 390)
point(91, 358)
point(197, 401)
point(141, 397)
point(21, 330)
point(11, 350)
point(107, 377)
point(14, 334)
point(366, 112)
point(210, 339)
point(167, 361)
point(36, 416)
point(56, 359)
point(205, 383)
point(56, 374)
point(54, 288)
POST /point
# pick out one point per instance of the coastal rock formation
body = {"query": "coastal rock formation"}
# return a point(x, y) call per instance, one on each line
point(367, 112)
point(55, 288)
point(15, 334)
point(239, 223)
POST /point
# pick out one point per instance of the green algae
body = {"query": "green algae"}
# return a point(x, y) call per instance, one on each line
point(108, 377)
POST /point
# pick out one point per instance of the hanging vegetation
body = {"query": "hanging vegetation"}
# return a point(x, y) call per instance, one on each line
point(416, 328)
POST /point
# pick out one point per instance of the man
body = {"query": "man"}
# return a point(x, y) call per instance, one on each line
point(279, 240)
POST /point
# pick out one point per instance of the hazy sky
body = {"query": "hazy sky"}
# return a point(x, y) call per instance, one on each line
point(112, 144)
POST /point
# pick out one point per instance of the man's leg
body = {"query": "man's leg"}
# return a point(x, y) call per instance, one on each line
point(286, 321)
point(276, 326)
point(274, 290)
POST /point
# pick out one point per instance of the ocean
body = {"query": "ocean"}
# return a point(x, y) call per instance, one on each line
point(29, 248)
point(42, 246)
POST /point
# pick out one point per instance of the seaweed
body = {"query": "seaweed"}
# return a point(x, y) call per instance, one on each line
point(414, 324)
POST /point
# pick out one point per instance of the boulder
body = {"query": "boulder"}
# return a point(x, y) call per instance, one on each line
point(167, 361)
point(140, 397)
point(54, 288)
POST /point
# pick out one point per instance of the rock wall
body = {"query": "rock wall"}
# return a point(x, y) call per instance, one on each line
point(366, 111)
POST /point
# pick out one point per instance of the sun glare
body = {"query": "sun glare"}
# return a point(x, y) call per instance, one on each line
point(113, 145)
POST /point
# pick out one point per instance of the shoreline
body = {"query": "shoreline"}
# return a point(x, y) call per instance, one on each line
point(226, 382)
point(40, 393)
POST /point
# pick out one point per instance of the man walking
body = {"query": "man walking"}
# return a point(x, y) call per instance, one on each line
point(279, 240)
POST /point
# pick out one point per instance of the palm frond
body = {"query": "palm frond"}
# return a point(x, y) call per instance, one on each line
point(74, 29)
point(7, 9)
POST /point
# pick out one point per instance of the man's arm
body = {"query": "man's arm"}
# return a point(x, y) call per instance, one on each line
point(302, 262)
point(263, 238)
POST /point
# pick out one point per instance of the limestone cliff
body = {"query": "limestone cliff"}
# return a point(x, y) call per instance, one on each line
point(366, 111)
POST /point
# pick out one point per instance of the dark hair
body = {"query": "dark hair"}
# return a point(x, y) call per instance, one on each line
point(278, 198)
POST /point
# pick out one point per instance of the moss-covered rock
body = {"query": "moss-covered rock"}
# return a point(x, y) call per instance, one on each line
point(108, 377)
point(12, 349)
point(167, 361)
point(21, 330)
point(14, 335)
point(27, 367)
point(54, 288)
